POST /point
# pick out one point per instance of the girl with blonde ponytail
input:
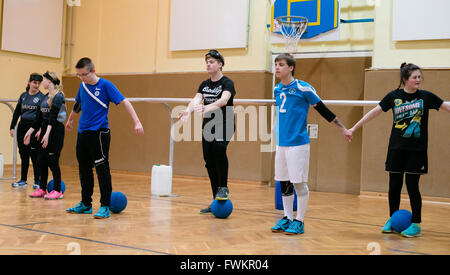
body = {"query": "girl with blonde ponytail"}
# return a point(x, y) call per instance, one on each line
point(54, 89)
point(50, 121)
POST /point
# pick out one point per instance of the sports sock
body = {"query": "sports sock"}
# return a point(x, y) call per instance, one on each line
point(302, 199)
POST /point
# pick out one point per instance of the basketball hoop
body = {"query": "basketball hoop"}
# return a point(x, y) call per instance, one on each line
point(292, 29)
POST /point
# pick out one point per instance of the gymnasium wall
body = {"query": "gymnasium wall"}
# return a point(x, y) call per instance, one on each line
point(390, 54)
point(133, 153)
point(155, 73)
point(334, 163)
point(129, 45)
point(15, 69)
point(124, 38)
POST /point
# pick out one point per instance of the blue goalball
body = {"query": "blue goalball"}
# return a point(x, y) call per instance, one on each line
point(221, 209)
point(50, 186)
point(118, 202)
point(401, 220)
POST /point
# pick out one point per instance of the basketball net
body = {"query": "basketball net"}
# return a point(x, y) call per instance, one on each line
point(292, 29)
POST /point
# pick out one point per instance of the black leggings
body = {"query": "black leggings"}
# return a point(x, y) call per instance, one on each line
point(28, 151)
point(49, 156)
point(215, 156)
point(93, 150)
point(415, 199)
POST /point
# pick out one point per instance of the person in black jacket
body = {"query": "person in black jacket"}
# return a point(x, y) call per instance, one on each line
point(50, 120)
point(26, 109)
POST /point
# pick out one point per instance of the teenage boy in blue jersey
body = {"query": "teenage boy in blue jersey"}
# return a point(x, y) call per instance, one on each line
point(293, 98)
point(92, 99)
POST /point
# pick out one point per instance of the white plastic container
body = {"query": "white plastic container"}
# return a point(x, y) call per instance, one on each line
point(1, 166)
point(161, 180)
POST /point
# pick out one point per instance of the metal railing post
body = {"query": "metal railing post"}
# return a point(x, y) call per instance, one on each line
point(171, 134)
point(14, 177)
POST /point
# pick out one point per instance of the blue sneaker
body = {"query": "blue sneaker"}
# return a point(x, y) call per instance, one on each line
point(102, 213)
point(80, 208)
point(412, 231)
point(20, 183)
point(296, 227)
point(387, 228)
point(281, 225)
point(36, 184)
point(222, 194)
point(206, 210)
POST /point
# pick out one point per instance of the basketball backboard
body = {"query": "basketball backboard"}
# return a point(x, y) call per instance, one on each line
point(322, 15)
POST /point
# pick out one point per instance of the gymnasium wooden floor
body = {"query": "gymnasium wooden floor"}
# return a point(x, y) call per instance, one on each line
point(334, 223)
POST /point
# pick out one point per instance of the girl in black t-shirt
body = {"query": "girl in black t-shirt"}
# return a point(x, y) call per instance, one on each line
point(408, 143)
point(26, 109)
point(217, 94)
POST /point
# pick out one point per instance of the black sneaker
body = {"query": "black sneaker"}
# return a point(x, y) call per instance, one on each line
point(222, 194)
point(207, 210)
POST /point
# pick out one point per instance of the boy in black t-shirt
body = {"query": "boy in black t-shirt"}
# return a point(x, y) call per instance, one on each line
point(408, 143)
point(217, 94)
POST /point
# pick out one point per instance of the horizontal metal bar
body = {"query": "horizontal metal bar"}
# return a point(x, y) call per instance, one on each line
point(14, 176)
point(240, 101)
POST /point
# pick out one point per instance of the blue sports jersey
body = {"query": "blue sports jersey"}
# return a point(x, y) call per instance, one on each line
point(293, 102)
point(93, 115)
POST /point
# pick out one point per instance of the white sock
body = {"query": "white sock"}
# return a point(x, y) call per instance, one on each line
point(302, 199)
point(288, 205)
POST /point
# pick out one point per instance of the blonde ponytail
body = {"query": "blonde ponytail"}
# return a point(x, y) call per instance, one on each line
point(58, 87)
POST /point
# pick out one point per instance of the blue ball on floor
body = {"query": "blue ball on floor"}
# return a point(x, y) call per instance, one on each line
point(118, 202)
point(221, 208)
point(50, 186)
point(401, 220)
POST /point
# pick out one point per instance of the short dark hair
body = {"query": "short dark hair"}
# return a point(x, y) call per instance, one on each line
point(289, 58)
point(85, 62)
point(406, 69)
point(216, 55)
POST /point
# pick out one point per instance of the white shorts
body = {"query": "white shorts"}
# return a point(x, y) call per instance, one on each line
point(292, 163)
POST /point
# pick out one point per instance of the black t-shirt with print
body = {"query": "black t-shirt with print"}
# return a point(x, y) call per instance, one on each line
point(212, 91)
point(410, 117)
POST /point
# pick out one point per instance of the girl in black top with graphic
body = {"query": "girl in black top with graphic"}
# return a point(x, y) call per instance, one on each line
point(51, 137)
point(217, 94)
point(26, 109)
point(408, 143)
